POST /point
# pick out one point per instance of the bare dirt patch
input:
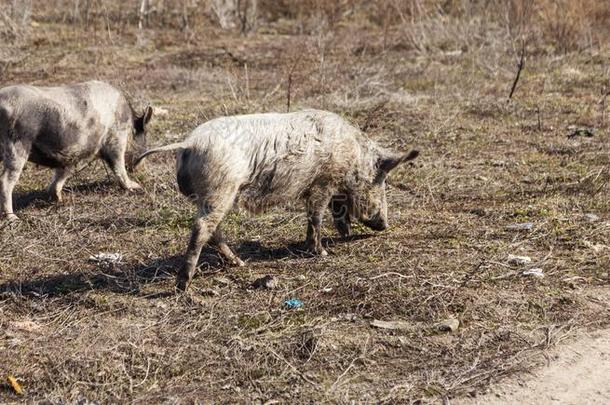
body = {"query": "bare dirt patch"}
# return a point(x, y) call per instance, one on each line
point(577, 373)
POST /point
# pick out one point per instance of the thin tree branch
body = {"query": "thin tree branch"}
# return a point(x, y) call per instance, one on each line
point(520, 67)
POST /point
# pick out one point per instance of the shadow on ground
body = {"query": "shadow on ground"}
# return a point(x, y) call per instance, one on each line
point(40, 198)
point(34, 199)
point(129, 278)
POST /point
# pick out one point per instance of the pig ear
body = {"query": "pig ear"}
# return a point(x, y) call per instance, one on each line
point(148, 112)
point(386, 164)
point(141, 121)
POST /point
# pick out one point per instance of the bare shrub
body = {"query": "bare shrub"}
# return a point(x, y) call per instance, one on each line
point(15, 20)
point(233, 14)
point(517, 16)
point(428, 27)
point(571, 25)
point(311, 15)
point(563, 23)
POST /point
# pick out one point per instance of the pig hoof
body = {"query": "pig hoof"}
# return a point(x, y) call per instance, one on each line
point(182, 285)
point(134, 187)
point(57, 198)
point(238, 262)
point(12, 217)
point(318, 251)
point(345, 234)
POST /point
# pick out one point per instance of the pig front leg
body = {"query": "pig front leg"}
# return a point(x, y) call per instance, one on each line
point(339, 209)
point(218, 241)
point(15, 156)
point(315, 208)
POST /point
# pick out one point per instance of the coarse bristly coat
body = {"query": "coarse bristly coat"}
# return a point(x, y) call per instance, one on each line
point(262, 160)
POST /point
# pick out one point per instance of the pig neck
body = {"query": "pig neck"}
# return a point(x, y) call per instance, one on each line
point(362, 168)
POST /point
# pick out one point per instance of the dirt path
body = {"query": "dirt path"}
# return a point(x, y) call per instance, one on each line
point(578, 373)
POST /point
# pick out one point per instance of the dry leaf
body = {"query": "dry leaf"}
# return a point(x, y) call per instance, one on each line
point(16, 386)
point(393, 325)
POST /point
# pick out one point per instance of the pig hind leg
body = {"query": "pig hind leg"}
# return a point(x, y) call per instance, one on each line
point(114, 155)
point(14, 157)
point(57, 184)
point(205, 225)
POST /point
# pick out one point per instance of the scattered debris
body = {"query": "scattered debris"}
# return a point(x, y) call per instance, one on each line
point(209, 292)
point(106, 258)
point(519, 260)
point(345, 317)
point(222, 280)
point(268, 282)
point(26, 326)
point(15, 385)
point(574, 132)
point(456, 52)
point(301, 277)
point(574, 278)
point(160, 111)
point(591, 217)
point(326, 290)
point(448, 325)
point(522, 226)
point(597, 247)
point(393, 325)
point(307, 344)
point(536, 272)
point(293, 303)
point(478, 211)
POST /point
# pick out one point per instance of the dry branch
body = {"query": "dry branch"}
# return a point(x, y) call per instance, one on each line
point(520, 67)
point(289, 86)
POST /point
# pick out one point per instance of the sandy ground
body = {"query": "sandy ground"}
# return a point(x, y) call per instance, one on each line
point(577, 373)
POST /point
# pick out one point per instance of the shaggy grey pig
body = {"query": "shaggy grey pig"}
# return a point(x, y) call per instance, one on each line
point(58, 127)
point(263, 160)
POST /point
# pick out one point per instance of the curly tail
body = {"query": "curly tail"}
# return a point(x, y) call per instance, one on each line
point(173, 146)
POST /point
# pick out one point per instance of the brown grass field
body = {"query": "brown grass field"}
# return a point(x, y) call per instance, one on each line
point(431, 74)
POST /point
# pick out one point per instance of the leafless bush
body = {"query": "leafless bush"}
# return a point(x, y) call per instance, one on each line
point(432, 28)
point(233, 14)
point(568, 24)
point(563, 24)
point(517, 15)
point(312, 15)
point(15, 20)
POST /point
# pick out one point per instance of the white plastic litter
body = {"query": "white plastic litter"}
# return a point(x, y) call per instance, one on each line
point(534, 273)
point(106, 258)
point(523, 226)
point(519, 260)
point(591, 217)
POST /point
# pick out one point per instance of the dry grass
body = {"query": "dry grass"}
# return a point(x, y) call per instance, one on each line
point(71, 330)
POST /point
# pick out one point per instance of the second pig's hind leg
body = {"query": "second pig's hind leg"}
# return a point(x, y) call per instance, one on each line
point(114, 155)
point(58, 182)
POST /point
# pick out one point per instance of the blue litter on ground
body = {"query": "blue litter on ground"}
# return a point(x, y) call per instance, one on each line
point(293, 303)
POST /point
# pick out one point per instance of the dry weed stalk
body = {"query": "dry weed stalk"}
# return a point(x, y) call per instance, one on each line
point(520, 67)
